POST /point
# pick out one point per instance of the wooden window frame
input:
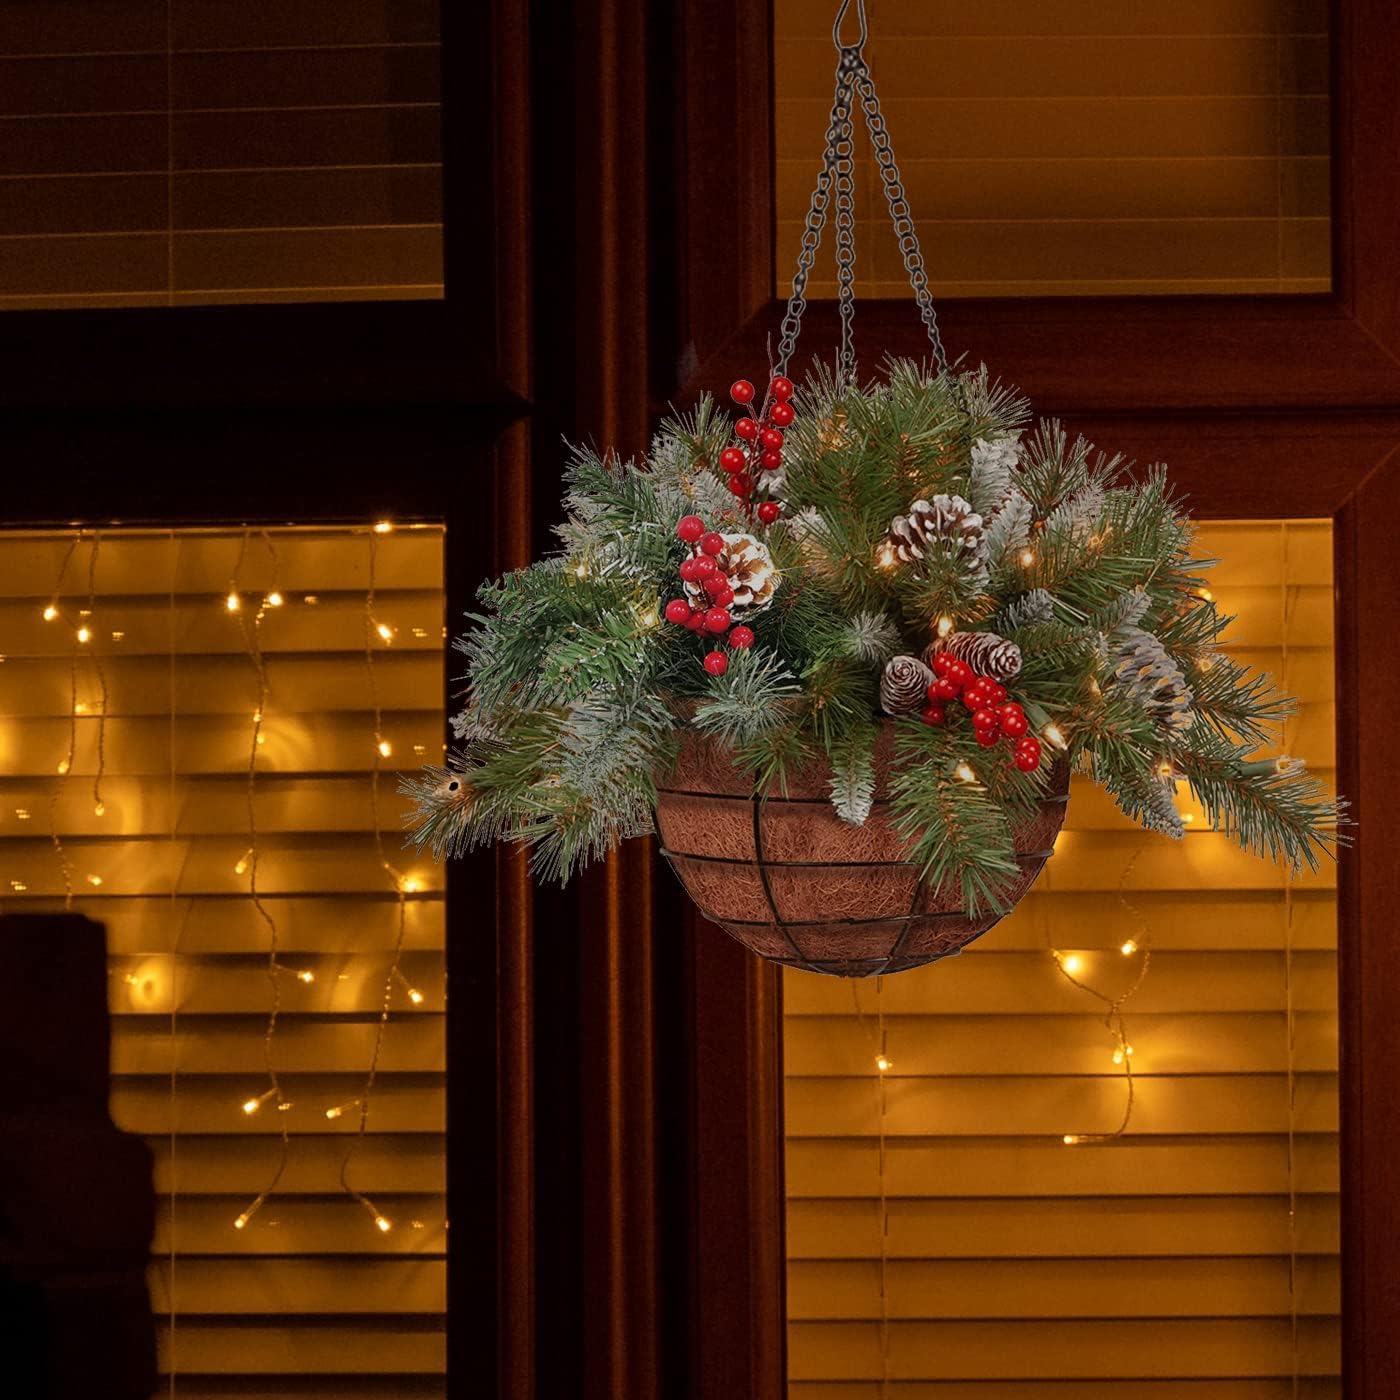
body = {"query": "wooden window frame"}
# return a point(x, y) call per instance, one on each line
point(1278, 407)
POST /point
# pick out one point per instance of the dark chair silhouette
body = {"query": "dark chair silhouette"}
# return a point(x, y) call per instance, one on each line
point(77, 1203)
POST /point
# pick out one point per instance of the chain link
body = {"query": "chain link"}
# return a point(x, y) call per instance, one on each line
point(838, 168)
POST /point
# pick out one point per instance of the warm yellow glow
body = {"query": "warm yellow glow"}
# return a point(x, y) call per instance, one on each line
point(1187, 818)
point(80, 708)
point(22, 814)
point(306, 975)
point(1027, 558)
point(94, 880)
point(385, 748)
point(50, 613)
point(1205, 595)
point(257, 716)
point(84, 633)
point(383, 527)
point(882, 1063)
point(240, 866)
point(944, 625)
point(649, 618)
point(233, 602)
point(1164, 769)
point(1071, 1139)
point(18, 886)
point(410, 884)
point(242, 1220)
point(63, 766)
point(1054, 735)
point(385, 1225)
point(886, 558)
point(386, 632)
point(1118, 1057)
point(1129, 947)
point(117, 636)
point(262, 739)
point(415, 996)
point(964, 773)
point(311, 599)
point(334, 1112)
point(251, 1106)
point(273, 599)
point(1072, 963)
point(99, 809)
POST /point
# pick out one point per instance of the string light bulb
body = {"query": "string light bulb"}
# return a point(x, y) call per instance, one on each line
point(1072, 1139)
point(1055, 736)
point(84, 633)
point(94, 880)
point(383, 527)
point(240, 866)
point(50, 613)
point(251, 1106)
point(944, 626)
point(965, 773)
point(233, 602)
point(415, 996)
point(63, 767)
point(1072, 963)
point(1027, 558)
point(99, 809)
point(386, 633)
point(385, 748)
point(384, 1224)
point(273, 599)
point(883, 1062)
point(1128, 947)
point(886, 557)
point(306, 975)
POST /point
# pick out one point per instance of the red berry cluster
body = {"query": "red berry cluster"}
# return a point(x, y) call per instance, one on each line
point(760, 446)
point(994, 717)
point(701, 568)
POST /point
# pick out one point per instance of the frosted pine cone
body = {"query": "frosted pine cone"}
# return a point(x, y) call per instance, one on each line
point(1141, 665)
point(904, 685)
point(946, 525)
point(748, 566)
point(985, 652)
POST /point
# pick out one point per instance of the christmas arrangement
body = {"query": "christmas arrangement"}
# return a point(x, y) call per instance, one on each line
point(900, 598)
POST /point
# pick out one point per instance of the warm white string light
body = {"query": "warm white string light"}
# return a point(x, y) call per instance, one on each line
point(1074, 968)
point(401, 884)
point(248, 863)
point(65, 765)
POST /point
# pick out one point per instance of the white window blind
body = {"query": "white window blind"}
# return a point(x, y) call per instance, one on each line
point(310, 1298)
point(188, 152)
point(944, 1243)
point(1074, 148)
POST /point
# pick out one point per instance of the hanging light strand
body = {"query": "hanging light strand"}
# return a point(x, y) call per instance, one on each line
point(98, 806)
point(52, 611)
point(1071, 968)
point(251, 630)
point(401, 886)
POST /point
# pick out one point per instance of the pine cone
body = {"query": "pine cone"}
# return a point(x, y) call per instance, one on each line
point(1140, 664)
point(985, 652)
point(748, 566)
point(946, 524)
point(904, 685)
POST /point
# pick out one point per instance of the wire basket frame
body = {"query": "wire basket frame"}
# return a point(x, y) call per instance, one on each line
point(792, 882)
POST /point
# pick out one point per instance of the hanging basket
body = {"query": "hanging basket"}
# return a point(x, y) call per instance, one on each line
point(797, 885)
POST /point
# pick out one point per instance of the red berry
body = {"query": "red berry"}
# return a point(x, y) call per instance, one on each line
point(747, 428)
point(782, 414)
point(717, 620)
point(696, 621)
point(690, 528)
point(771, 437)
point(985, 720)
point(688, 569)
point(974, 697)
point(959, 670)
point(705, 567)
point(712, 543)
point(769, 511)
point(677, 610)
point(941, 663)
point(1026, 762)
point(732, 459)
point(741, 391)
point(987, 737)
point(741, 637)
point(771, 460)
point(716, 583)
point(934, 714)
point(943, 689)
point(724, 597)
point(1013, 720)
point(781, 387)
point(996, 692)
point(716, 663)
point(741, 484)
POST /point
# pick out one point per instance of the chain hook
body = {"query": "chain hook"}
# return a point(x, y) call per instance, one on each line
point(836, 28)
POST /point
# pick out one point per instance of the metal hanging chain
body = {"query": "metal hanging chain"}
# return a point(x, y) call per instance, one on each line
point(852, 73)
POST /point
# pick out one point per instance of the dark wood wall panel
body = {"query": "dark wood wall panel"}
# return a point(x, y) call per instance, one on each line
point(207, 152)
